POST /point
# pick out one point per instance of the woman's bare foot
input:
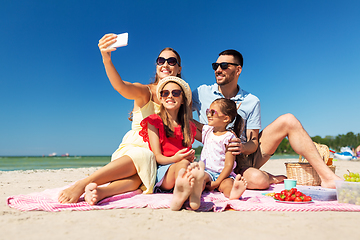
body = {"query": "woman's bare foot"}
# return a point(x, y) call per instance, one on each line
point(184, 184)
point(239, 187)
point(72, 193)
point(197, 170)
point(91, 194)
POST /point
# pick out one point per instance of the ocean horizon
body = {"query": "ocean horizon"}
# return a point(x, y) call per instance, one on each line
point(18, 163)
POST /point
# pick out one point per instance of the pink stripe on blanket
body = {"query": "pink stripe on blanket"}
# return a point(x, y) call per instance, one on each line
point(210, 201)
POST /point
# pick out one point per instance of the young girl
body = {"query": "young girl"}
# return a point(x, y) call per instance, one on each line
point(132, 165)
point(218, 160)
point(170, 135)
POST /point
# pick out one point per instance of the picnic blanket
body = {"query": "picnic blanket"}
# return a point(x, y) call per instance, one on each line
point(251, 200)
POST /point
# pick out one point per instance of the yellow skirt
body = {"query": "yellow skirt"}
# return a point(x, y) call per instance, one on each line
point(143, 158)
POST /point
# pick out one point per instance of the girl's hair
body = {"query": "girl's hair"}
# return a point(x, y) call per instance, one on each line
point(184, 121)
point(178, 59)
point(228, 107)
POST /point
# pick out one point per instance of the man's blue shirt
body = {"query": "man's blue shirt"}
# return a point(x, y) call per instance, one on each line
point(249, 109)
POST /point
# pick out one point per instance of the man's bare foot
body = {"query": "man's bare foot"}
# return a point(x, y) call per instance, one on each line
point(91, 194)
point(72, 193)
point(184, 184)
point(239, 187)
point(275, 179)
point(198, 171)
point(330, 183)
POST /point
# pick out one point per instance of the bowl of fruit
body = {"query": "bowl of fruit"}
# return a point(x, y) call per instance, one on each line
point(348, 191)
point(292, 196)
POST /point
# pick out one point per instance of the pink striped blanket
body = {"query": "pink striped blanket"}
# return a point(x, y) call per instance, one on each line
point(210, 201)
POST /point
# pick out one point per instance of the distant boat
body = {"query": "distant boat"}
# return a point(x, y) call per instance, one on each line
point(345, 154)
point(52, 154)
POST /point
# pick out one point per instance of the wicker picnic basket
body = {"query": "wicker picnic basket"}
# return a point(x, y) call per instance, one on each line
point(304, 173)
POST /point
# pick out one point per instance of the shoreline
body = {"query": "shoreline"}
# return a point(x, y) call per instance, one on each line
point(54, 163)
point(162, 223)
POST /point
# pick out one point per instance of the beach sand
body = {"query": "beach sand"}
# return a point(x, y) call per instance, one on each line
point(163, 224)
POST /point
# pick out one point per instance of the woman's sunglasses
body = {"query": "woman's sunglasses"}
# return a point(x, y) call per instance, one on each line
point(212, 113)
point(174, 93)
point(172, 61)
point(223, 65)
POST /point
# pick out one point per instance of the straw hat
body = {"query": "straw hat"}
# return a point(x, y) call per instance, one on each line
point(184, 86)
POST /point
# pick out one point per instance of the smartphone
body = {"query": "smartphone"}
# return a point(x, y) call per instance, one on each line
point(121, 41)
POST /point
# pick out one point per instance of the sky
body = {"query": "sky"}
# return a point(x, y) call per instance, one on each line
point(300, 57)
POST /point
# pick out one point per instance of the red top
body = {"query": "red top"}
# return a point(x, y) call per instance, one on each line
point(169, 146)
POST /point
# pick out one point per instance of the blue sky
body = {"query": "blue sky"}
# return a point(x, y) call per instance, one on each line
point(301, 57)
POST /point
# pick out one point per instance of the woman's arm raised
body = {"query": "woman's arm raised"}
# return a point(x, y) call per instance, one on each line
point(134, 91)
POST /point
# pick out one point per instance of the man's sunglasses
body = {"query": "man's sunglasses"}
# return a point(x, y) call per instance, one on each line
point(172, 61)
point(212, 113)
point(174, 93)
point(223, 65)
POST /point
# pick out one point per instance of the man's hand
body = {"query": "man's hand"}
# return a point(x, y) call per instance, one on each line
point(235, 146)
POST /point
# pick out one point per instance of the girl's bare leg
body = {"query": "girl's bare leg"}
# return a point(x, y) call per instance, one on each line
point(120, 168)
point(172, 174)
point(94, 194)
point(226, 185)
point(238, 187)
point(183, 187)
point(198, 171)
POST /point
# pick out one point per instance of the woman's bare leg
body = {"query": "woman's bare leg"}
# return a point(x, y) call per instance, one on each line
point(94, 193)
point(120, 168)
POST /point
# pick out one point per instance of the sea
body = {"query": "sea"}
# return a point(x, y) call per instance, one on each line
point(37, 163)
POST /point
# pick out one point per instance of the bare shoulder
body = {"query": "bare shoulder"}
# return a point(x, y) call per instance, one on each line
point(142, 96)
point(153, 88)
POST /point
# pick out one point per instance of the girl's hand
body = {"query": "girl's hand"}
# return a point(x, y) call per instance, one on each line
point(185, 154)
point(104, 43)
point(211, 185)
point(235, 146)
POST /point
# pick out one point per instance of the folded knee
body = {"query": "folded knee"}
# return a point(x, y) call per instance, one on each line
point(183, 163)
point(290, 121)
point(257, 180)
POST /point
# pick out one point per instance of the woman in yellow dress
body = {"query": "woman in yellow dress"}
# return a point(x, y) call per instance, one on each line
point(132, 165)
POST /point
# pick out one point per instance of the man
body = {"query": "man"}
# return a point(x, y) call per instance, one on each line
point(257, 148)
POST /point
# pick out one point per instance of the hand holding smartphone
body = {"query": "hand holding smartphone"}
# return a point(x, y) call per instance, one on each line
point(121, 41)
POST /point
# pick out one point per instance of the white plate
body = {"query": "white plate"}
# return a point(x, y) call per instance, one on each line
point(292, 202)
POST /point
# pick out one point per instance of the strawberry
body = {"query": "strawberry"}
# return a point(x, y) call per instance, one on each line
point(298, 199)
point(292, 198)
point(293, 190)
point(283, 192)
point(282, 197)
point(298, 194)
point(277, 196)
point(307, 199)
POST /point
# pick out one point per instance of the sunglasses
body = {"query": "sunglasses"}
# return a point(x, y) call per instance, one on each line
point(172, 61)
point(174, 93)
point(212, 113)
point(223, 65)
